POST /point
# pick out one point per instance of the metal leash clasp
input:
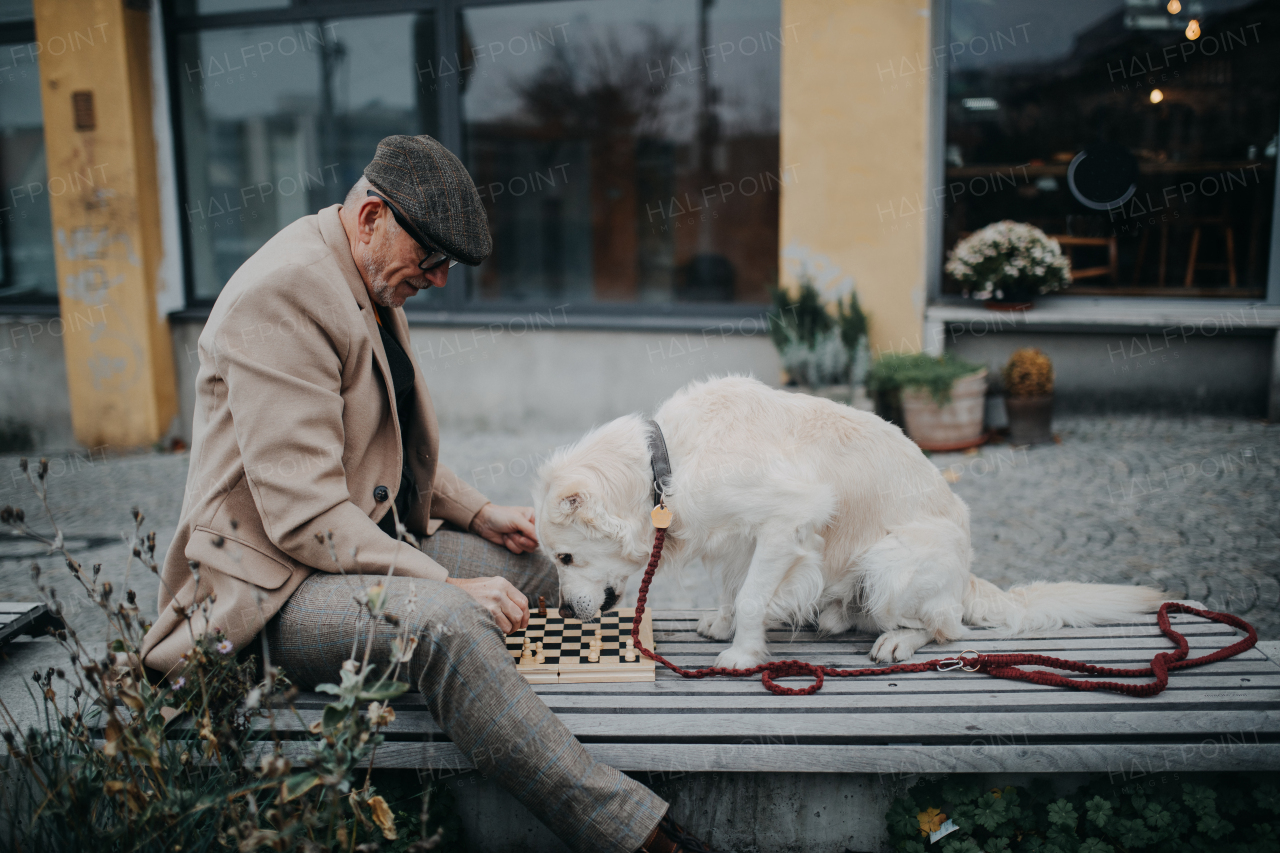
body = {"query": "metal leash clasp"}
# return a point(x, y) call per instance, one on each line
point(960, 662)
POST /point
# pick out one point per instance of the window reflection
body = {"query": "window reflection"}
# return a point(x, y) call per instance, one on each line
point(625, 152)
point(279, 121)
point(1146, 144)
point(26, 236)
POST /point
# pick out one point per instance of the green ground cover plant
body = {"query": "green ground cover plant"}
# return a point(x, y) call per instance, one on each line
point(1180, 813)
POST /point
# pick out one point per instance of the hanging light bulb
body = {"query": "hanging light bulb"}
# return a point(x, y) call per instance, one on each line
point(1156, 96)
point(1193, 29)
point(1174, 7)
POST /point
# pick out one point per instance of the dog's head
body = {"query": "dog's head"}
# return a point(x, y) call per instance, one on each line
point(591, 505)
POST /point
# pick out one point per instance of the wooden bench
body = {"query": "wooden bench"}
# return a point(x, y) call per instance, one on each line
point(850, 747)
point(19, 617)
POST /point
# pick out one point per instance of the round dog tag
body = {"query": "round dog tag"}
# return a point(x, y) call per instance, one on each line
point(661, 517)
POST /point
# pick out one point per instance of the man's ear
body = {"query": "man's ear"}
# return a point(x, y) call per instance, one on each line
point(367, 218)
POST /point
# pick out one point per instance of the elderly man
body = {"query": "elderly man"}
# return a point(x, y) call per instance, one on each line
point(312, 421)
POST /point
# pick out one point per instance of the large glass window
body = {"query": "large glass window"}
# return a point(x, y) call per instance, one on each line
point(278, 121)
point(625, 152)
point(1140, 133)
point(27, 274)
point(628, 152)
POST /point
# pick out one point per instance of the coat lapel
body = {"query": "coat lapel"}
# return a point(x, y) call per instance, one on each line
point(335, 236)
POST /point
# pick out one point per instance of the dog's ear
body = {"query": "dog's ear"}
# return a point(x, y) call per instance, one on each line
point(567, 502)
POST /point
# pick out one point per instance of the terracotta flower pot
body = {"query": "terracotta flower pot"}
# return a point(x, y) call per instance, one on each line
point(956, 425)
point(1030, 419)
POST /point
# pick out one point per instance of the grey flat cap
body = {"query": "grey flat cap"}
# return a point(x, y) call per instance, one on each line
point(434, 190)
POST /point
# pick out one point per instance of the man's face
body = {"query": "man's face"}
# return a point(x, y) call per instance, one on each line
point(390, 264)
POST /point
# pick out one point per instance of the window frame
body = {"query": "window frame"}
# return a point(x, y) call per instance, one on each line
point(451, 306)
point(935, 148)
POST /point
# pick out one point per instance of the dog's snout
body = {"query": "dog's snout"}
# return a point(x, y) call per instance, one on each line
point(566, 612)
point(610, 599)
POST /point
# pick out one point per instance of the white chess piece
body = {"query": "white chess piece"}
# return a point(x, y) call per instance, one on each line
point(630, 653)
point(526, 651)
point(541, 656)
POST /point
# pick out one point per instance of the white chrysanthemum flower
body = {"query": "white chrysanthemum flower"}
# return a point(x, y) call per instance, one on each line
point(1008, 257)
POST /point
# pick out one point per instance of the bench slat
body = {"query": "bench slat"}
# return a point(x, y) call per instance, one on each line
point(923, 682)
point(948, 702)
point(1126, 762)
point(922, 726)
point(685, 643)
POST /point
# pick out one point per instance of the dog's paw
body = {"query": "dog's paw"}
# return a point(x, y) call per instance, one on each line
point(717, 626)
point(735, 657)
point(897, 645)
point(834, 619)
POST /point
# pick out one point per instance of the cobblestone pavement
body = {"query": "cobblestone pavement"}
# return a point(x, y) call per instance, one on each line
point(1191, 505)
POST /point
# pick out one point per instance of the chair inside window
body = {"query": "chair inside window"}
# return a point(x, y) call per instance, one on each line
point(1111, 269)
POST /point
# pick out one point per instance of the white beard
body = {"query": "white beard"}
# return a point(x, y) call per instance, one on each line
point(374, 262)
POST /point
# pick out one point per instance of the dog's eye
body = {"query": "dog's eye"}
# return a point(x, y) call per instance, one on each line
point(565, 559)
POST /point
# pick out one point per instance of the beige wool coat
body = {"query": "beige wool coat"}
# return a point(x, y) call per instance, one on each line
point(294, 431)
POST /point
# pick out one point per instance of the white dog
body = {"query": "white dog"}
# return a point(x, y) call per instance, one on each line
point(806, 508)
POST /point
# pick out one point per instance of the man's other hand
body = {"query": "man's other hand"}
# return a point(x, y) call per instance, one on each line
point(510, 526)
point(506, 604)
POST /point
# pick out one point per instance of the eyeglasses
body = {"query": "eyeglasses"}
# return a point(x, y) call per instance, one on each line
point(435, 258)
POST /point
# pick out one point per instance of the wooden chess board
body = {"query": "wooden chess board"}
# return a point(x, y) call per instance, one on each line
point(566, 648)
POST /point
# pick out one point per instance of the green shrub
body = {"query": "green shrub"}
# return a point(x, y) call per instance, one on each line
point(1222, 813)
point(894, 372)
point(817, 348)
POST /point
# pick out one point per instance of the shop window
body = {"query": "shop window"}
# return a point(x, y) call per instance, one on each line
point(1141, 133)
point(626, 153)
point(27, 274)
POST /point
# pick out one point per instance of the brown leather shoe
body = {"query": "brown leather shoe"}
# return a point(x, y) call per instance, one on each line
point(670, 837)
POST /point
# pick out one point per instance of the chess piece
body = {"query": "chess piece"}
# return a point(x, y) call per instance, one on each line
point(593, 654)
point(526, 651)
point(541, 656)
point(542, 605)
point(630, 653)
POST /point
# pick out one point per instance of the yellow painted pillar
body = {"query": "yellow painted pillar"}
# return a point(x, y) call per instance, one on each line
point(95, 78)
point(855, 106)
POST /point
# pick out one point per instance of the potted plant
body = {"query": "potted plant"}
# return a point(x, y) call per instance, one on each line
point(941, 398)
point(1028, 390)
point(1008, 264)
point(822, 354)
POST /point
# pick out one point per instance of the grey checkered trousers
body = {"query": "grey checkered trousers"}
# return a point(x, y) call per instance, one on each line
point(470, 685)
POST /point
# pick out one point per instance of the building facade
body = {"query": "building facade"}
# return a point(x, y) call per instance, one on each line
point(651, 171)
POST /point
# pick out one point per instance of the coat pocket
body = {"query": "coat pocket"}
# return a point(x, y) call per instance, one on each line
point(237, 558)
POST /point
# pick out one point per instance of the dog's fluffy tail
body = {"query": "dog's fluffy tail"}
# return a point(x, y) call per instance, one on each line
point(1042, 606)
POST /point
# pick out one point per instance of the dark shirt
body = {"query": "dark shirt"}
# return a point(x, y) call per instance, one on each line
point(402, 378)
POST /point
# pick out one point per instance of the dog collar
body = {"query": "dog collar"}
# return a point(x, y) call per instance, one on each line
point(660, 461)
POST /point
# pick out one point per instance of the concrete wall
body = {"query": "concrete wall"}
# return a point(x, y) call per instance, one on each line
point(34, 399)
point(1128, 372)
point(854, 131)
point(511, 378)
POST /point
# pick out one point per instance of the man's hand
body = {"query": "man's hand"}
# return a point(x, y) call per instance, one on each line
point(506, 604)
point(511, 526)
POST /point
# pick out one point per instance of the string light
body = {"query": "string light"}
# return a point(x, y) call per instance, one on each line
point(1193, 29)
point(1174, 7)
point(1156, 96)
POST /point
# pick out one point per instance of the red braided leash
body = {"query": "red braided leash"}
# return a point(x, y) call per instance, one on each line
point(1000, 666)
